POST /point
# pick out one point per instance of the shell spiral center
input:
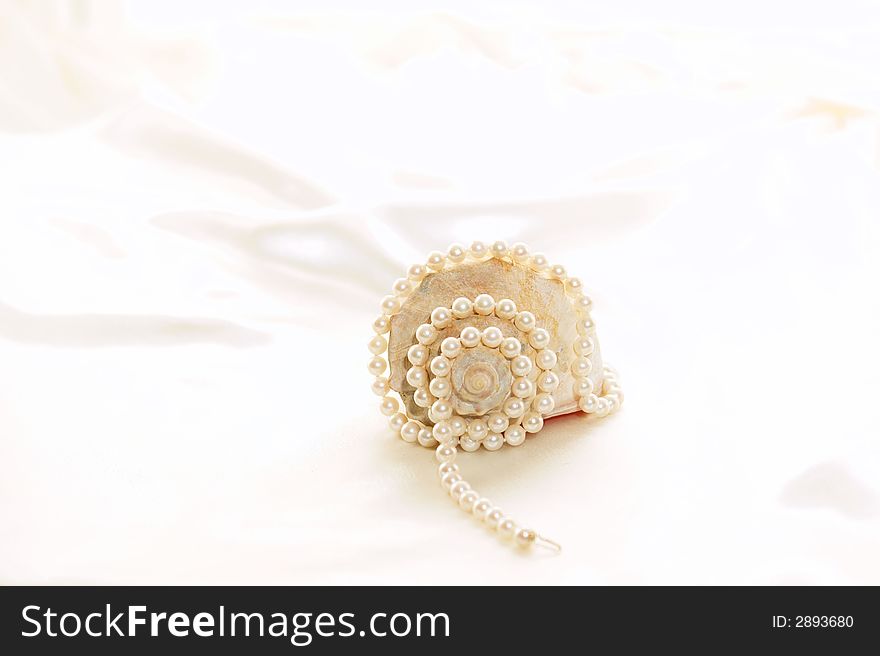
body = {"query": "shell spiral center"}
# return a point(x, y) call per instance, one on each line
point(480, 380)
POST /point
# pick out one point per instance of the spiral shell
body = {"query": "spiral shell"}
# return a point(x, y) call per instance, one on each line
point(483, 344)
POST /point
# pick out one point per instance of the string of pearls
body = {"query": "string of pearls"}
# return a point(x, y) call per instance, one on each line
point(491, 402)
point(482, 508)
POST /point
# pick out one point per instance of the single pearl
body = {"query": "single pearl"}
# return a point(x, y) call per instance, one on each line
point(602, 407)
point(510, 347)
point(456, 254)
point(390, 305)
point(389, 406)
point(548, 382)
point(467, 500)
point(532, 422)
point(505, 309)
point(377, 345)
point(418, 355)
point(422, 398)
point(477, 429)
point(442, 410)
point(401, 286)
point(484, 304)
point(539, 339)
point(410, 431)
point(583, 346)
point(397, 421)
point(380, 385)
point(499, 249)
point(493, 442)
point(519, 252)
point(458, 488)
point(515, 435)
point(521, 365)
point(440, 388)
point(546, 359)
point(525, 321)
point(462, 308)
point(618, 396)
point(557, 271)
point(441, 317)
point(493, 516)
point(468, 444)
point(458, 426)
point(492, 337)
point(481, 507)
point(417, 376)
point(585, 327)
point(417, 272)
point(442, 432)
point(581, 366)
point(525, 537)
point(377, 366)
point(544, 404)
point(583, 304)
point(446, 468)
point(538, 263)
point(612, 402)
point(583, 387)
point(588, 403)
point(507, 528)
point(426, 437)
point(470, 336)
point(497, 422)
point(522, 387)
point(445, 453)
point(513, 407)
point(382, 325)
point(448, 480)
point(440, 366)
point(450, 347)
point(436, 260)
point(426, 334)
point(574, 285)
point(478, 250)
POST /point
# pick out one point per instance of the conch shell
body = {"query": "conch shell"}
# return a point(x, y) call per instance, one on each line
point(483, 345)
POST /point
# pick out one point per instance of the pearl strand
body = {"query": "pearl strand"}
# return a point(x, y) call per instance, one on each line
point(470, 501)
point(518, 416)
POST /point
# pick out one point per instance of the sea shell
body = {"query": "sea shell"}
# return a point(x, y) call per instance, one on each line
point(543, 296)
point(483, 344)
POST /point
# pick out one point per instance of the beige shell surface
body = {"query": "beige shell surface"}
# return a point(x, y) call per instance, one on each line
point(542, 296)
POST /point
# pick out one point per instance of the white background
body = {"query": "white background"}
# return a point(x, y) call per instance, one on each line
point(201, 204)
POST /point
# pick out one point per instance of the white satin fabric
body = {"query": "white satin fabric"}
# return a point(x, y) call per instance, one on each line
point(201, 205)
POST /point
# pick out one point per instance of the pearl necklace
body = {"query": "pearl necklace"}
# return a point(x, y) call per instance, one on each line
point(480, 387)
